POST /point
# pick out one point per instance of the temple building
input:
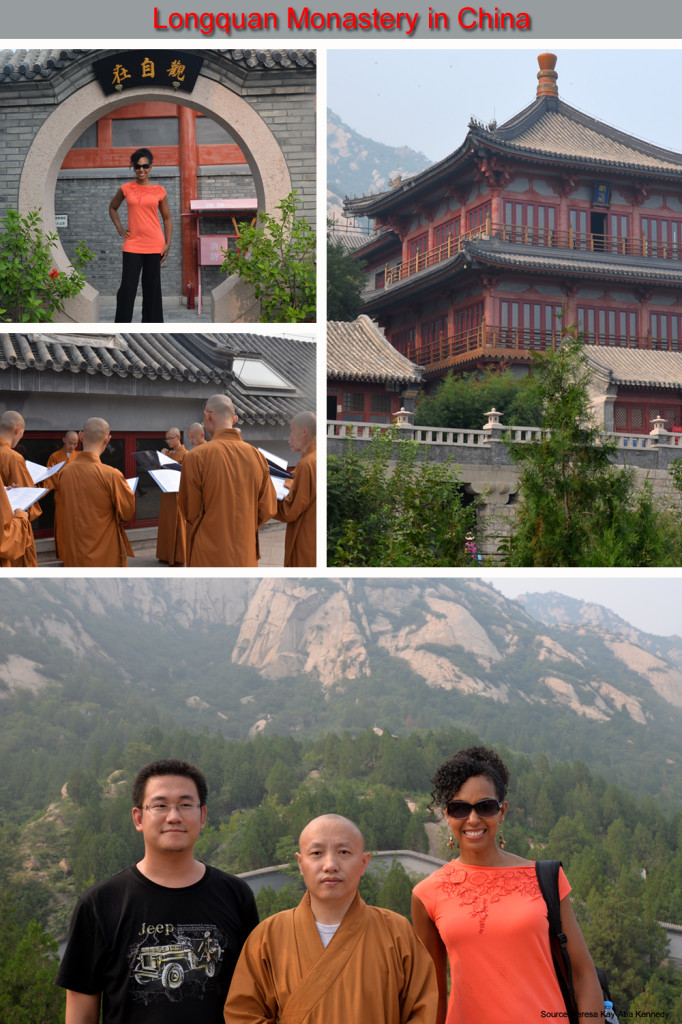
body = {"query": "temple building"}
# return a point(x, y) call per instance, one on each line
point(551, 218)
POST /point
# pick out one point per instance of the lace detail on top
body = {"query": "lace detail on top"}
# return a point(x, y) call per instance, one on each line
point(477, 889)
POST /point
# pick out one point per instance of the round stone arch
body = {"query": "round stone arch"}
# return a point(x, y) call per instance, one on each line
point(232, 300)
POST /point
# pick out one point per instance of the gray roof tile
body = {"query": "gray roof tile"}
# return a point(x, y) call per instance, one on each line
point(359, 351)
point(192, 358)
point(637, 367)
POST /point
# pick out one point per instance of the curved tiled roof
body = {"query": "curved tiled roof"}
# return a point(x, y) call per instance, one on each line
point(637, 367)
point(189, 358)
point(26, 65)
point(551, 128)
point(574, 262)
point(359, 351)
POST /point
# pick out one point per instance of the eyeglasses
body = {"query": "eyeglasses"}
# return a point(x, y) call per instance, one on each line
point(141, 167)
point(483, 808)
point(161, 810)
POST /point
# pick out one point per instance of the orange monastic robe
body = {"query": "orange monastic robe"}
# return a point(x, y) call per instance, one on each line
point(13, 471)
point(299, 511)
point(225, 495)
point(17, 546)
point(61, 456)
point(95, 499)
point(374, 971)
point(171, 537)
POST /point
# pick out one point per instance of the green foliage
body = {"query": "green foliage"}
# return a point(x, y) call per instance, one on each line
point(461, 401)
point(28, 966)
point(30, 288)
point(396, 892)
point(345, 280)
point(277, 257)
point(385, 507)
point(577, 508)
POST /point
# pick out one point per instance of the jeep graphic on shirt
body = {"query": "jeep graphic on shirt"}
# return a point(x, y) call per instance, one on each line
point(175, 961)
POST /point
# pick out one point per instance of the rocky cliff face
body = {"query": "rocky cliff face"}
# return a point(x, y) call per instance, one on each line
point(455, 635)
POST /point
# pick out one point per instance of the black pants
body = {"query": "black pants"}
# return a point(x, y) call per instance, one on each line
point(152, 308)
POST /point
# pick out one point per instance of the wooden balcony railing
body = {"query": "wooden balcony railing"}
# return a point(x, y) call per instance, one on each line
point(617, 245)
point(489, 340)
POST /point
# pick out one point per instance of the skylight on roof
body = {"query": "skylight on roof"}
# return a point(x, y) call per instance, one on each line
point(255, 373)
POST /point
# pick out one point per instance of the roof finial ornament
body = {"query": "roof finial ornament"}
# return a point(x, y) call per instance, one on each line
point(547, 76)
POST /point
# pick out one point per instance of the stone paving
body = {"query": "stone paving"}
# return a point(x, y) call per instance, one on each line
point(174, 313)
point(271, 548)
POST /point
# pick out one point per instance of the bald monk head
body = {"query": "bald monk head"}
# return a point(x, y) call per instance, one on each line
point(332, 860)
point(302, 431)
point(12, 427)
point(71, 440)
point(95, 435)
point(195, 434)
point(218, 414)
point(173, 440)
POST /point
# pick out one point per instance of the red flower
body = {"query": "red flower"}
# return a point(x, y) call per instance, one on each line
point(54, 273)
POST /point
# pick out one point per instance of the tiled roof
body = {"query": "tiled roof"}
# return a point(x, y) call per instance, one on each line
point(636, 367)
point(26, 65)
point(552, 128)
point(575, 262)
point(359, 351)
point(192, 358)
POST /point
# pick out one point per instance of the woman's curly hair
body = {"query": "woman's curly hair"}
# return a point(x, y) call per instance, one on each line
point(466, 764)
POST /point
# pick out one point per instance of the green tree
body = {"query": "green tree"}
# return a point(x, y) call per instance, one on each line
point(345, 280)
point(31, 289)
point(577, 508)
point(396, 892)
point(388, 508)
point(28, 966)
point(277, 257)
point(461, 401)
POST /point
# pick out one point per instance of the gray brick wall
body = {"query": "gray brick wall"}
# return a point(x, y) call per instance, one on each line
point(284, 98)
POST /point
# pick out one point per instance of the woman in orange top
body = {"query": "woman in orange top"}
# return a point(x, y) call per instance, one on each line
point(145, 246)
point(485, 912)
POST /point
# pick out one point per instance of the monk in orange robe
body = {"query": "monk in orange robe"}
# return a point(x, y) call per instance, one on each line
point(95, 500)
point(64, 454)
point(13, 473)
point(171, 537)
point(299, 509)
point(225, 493)
point(333, 959)
point(67, 451)
point(16, 535)
point(196, 435)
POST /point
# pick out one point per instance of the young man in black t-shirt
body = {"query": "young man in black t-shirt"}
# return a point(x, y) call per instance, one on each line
point(158, 941)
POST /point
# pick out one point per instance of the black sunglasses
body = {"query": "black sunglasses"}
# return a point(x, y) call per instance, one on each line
point(462, 809)
point(141, 167)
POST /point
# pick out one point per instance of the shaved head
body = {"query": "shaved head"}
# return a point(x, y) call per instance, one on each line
point(332, 860)
point(95, 431)
point(11, 420)
point(71, 435)
point(306, 420)
point(195, 433)
point(173, 432)
point(12, 427)
point(328, 823)
point(219, 414)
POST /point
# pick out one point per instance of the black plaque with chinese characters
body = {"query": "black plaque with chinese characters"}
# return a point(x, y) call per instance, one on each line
point(601, 194)
point(134, 68)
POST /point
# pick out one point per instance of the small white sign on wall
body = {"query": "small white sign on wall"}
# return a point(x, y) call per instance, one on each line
point(62, 220)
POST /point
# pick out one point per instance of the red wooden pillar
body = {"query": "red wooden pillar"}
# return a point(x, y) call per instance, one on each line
point(188, 158)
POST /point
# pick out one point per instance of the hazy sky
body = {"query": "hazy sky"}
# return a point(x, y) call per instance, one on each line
point(423, 98)
point(653, 604)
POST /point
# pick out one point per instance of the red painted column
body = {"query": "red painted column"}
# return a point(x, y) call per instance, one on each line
point(188, 159)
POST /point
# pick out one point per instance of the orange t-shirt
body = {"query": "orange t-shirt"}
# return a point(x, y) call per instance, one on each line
point(146, 234)
point(493, 922)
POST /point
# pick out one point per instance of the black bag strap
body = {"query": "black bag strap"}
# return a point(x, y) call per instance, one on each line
point(547, 873)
